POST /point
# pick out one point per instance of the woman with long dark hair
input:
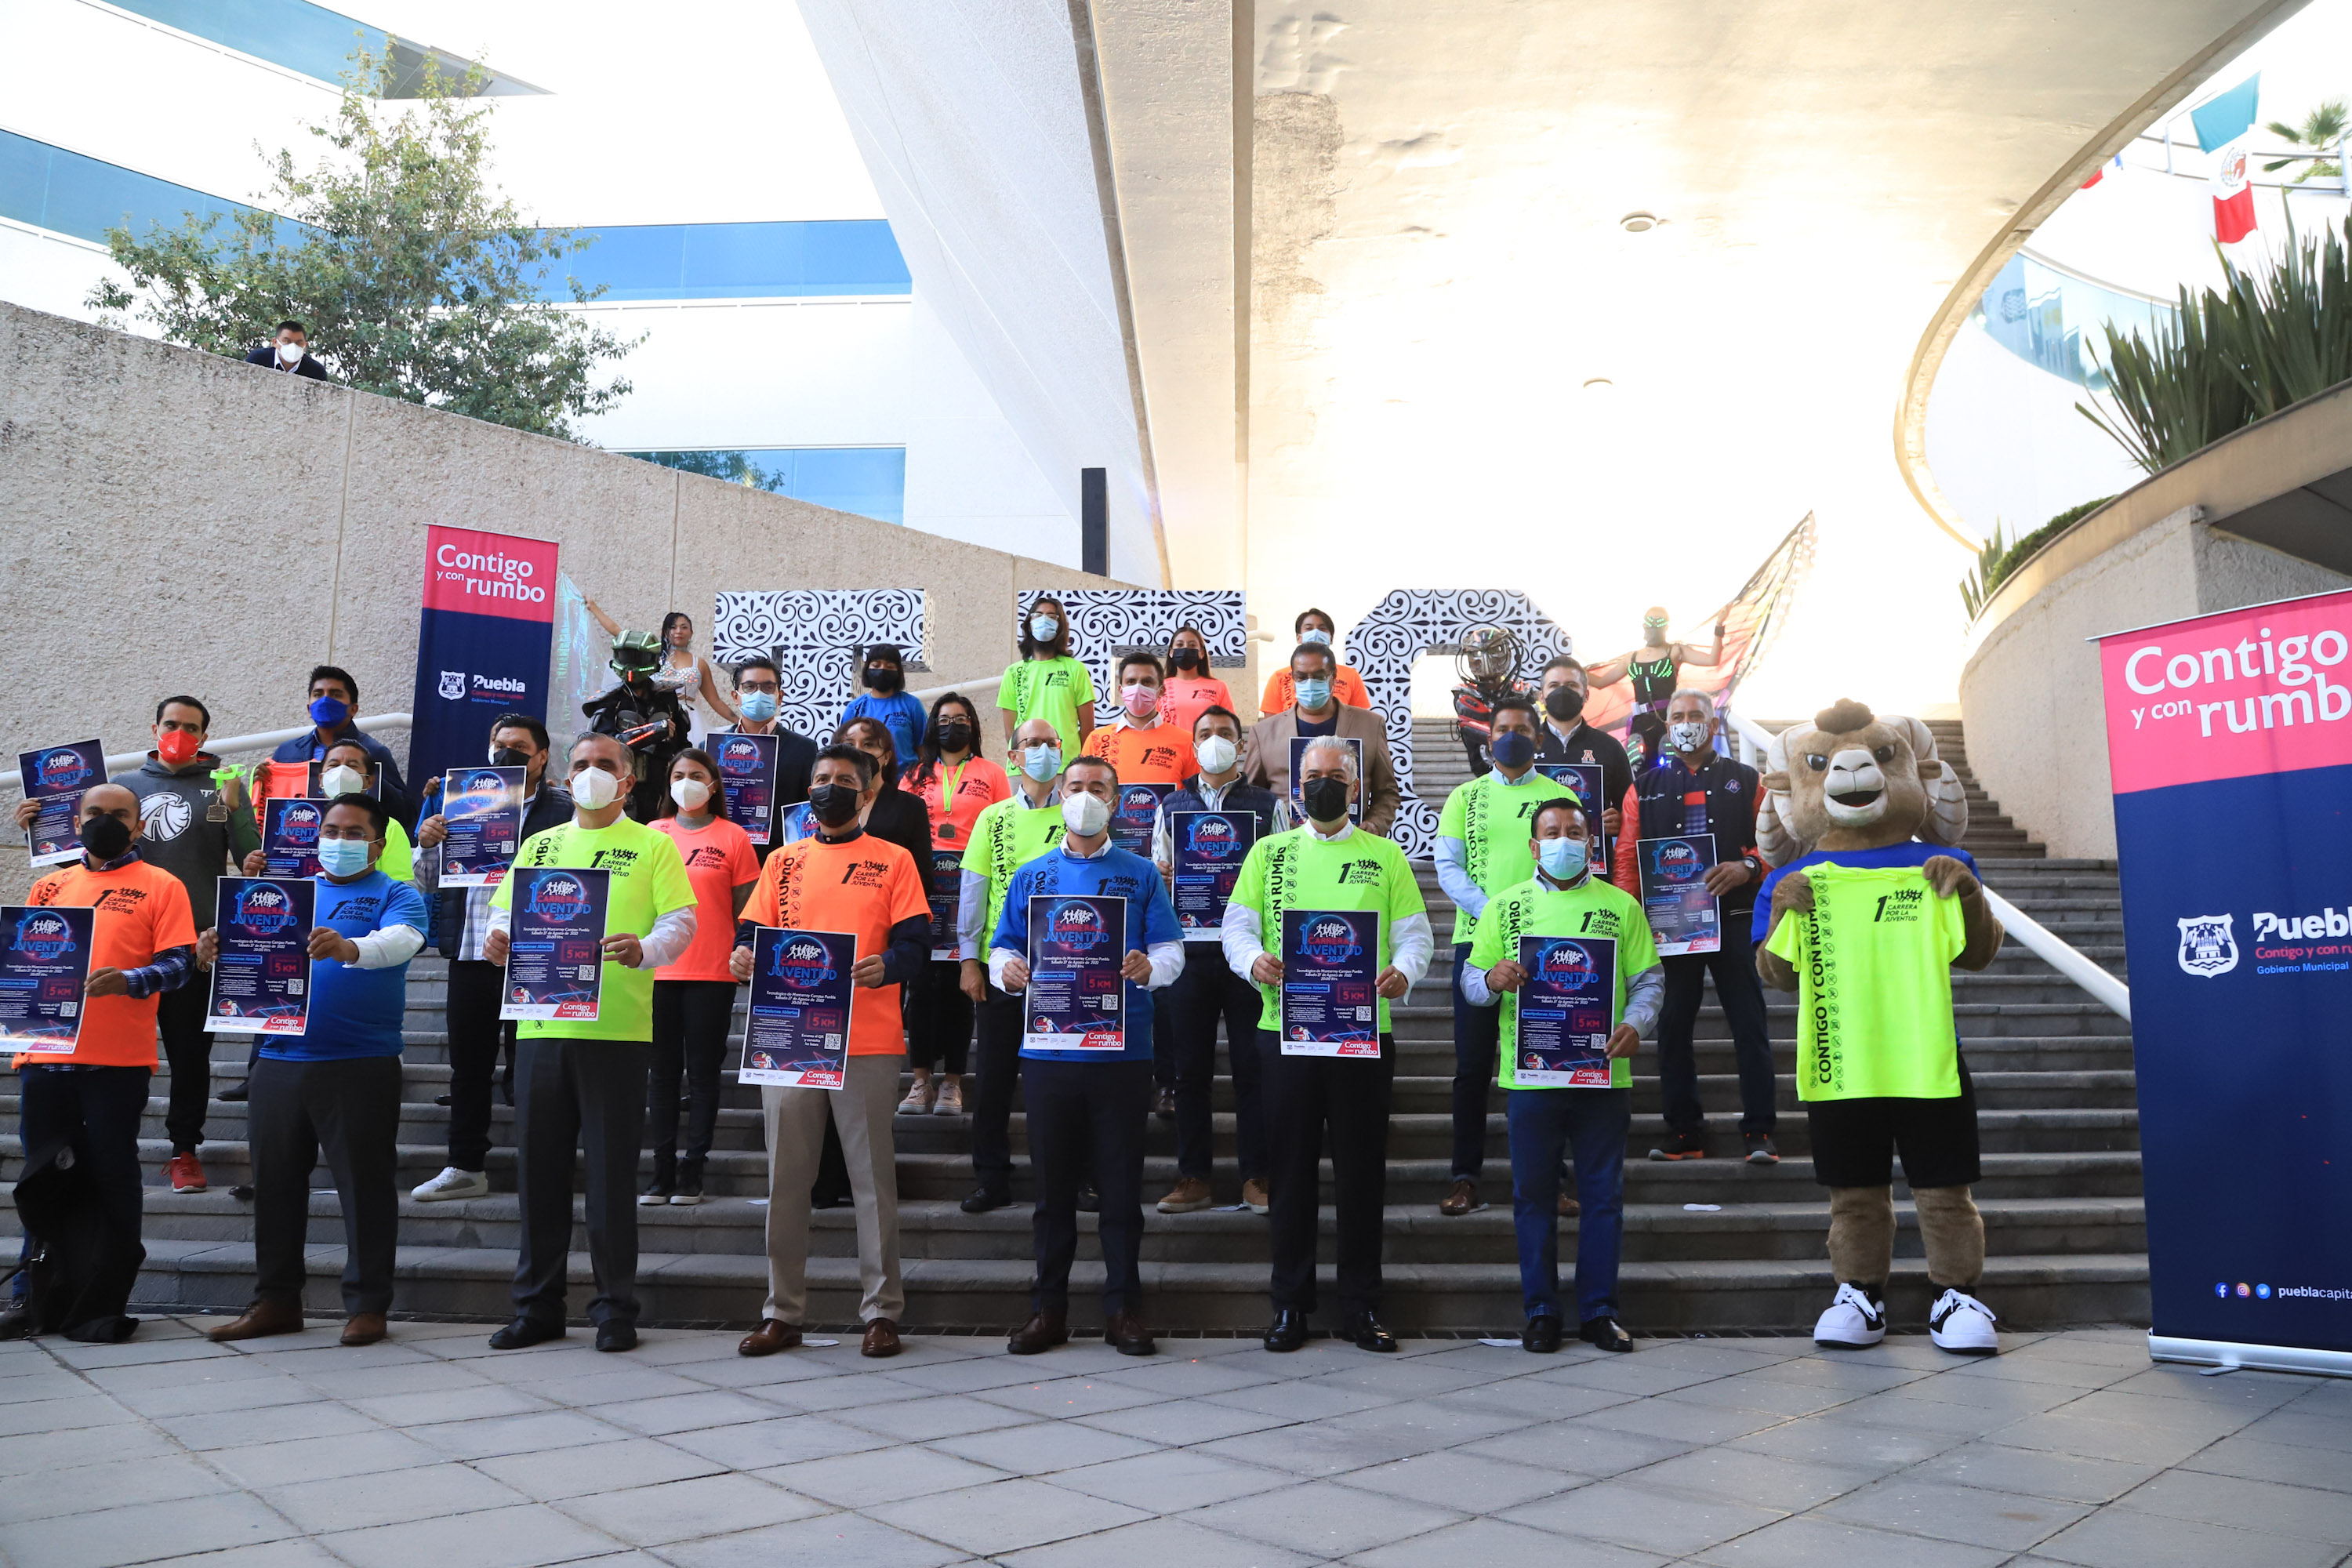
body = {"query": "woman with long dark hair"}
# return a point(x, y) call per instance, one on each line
point(955, 783)
point(1047, 683)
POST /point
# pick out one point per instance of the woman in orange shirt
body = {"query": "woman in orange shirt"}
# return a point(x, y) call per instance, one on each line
point(1314, 625)
point(955, 784)
point(1190, 687)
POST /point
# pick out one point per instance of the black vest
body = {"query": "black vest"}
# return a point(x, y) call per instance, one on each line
point(1241, 796)
point(553, 808)
point(1729, 789)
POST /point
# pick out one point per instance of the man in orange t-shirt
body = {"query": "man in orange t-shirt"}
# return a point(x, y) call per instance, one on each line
point(840, 879)
point(142, 943)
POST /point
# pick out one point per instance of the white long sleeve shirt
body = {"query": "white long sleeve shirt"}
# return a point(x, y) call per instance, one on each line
point(1411, 945)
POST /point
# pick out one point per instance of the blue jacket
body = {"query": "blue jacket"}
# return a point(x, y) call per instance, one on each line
point(1151, 922)
point(305, 748)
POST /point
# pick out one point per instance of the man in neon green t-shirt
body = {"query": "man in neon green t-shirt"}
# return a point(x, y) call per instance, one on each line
point(1330, 864)
point(583, 1081)
point(1047, 683)
point(1571, 913)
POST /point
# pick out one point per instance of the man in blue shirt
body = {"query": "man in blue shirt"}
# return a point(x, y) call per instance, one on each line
point(334, 698)
point(1090, 1101)
point(335, 1087)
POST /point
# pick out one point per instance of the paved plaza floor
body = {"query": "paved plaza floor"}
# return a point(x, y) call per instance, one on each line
point(433, 1451)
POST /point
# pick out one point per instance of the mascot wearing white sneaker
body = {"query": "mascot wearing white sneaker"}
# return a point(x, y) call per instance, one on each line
point(1870, 907)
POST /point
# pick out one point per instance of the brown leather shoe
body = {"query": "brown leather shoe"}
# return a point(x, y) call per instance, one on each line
point(1040, 1332)
point(881, 1338)
point(1125, 1333)
point(260, 1320)
point(1189, 1195)
point(364, 1328)
point(1462, 1199)
point(770, 1336)
point(1568, 1207)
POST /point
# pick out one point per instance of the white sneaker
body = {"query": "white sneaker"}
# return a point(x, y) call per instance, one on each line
point(920, 1098)
point(451, 1184)
point(1853, 1322)
point(1963, 1325)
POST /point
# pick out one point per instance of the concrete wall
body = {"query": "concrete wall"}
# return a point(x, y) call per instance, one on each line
point(174, 521)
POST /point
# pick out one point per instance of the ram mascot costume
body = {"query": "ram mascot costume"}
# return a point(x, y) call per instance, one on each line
point(1871, 906)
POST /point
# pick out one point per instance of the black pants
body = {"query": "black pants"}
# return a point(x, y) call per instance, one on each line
point(349, 1110)
point(939, 1017)
point(1741, 996)
point(588, 1094)
point(1855, 1141)
point(188, 1051)
point(1163, 1038)
point(1476, 1033)
point(1087, 1115)
point(1304, 1095)
point(1207, 991)
point(101, 1107)
point(691, 1019)
point(476, 1038)
point(990, 1094)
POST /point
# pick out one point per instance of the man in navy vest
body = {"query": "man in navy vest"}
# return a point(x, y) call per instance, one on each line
point(1209, 989)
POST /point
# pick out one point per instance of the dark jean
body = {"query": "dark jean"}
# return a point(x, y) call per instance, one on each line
point(1741, 996)
point(1083, 1117)
point(102, 1106)
point(937, 1016)
point(691, 1018)
point(1544, 1122)
point(1476, 1032)
point(476, 1038)
point(188, 1051)
point(1207, 991)
point(348, 1111)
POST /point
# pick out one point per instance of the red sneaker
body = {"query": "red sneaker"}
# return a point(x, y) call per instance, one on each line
point(185, 1173)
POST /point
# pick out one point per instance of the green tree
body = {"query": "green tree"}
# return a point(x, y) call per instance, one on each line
point(2321, 129)
point(414, 277)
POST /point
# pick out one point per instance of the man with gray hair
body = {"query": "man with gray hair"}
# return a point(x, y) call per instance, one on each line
point(1693, 792)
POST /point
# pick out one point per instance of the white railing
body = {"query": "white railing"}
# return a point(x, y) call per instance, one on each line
point(2030, 933)
point(118, 763)
point(981, 689)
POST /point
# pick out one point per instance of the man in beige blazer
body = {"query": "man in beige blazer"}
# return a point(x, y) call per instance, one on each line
point(1265, 755)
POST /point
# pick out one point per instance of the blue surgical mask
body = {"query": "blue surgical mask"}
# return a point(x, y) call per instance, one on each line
point(343, 856)
point(329, 710)
point(757, 705)
point(1562, 858)
point(1041, 763)
point(1512, 750)
point(1316, 633)
point(1314, 693)
point(1044, 628)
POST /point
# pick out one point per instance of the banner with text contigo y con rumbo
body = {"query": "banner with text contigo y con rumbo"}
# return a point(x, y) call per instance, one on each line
point(2230, 738)
point(482, 645)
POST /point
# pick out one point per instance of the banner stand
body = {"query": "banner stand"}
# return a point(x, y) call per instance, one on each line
point(2253, 1358)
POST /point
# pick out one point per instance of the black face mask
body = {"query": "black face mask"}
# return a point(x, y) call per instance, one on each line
point(1564, 703)
point(1185, 658)
point(835, 804)
point(507, 757)
point(106, 838)
point(882, 678)
point(1325, 798)
point(955, 737)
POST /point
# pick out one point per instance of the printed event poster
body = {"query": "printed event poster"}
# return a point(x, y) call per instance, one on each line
point(1299, 749)
point(1208, 848)
point(801, 993)
point(42, 972)
point(947, 892)
point(747, 776)
point(289, 837)
point(261, 978)
point(555, 960)
point(56, 776)
point(1077, 999)
point(1683, 916)
point(1132, 817)
point(1567, 1006)
point(1583, 780)
point(1329, 961)
point(483, 809)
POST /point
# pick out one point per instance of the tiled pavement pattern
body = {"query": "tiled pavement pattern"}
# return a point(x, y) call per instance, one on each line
point(433, 1451)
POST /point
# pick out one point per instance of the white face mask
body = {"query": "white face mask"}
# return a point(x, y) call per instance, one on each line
point(290, 353)
point(1217, 754)
point(1316, 633)
point(594, 789)
point(342, 779)
point(1085, 815)
point(689, 793)
point(1689, 735)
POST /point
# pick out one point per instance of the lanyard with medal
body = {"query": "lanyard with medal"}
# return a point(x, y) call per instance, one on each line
point(948, 782)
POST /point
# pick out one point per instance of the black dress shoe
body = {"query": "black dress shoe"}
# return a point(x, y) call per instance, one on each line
point(233, 1094)
point(616, 1334)
point(985, 1199)
point(1288, 1329)
point(1089, 1199)
point(443, 1100)
point(1541, 1335)
point(1365, 1333)
point(525, 1332)
point(1605, 1333)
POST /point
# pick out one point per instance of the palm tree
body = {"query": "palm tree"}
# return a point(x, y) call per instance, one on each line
point(2322, 127)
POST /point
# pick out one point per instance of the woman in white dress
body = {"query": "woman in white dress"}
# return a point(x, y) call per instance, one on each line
point(684, 671)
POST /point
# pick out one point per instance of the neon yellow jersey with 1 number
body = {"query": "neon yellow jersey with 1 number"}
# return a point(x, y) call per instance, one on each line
point(1874, 964)
point(1298, 871)
point(1535, 908)
point(1048, 688)
point(1491, 815)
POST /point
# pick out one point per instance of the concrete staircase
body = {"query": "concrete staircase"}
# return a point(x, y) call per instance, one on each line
point(1715, 1245)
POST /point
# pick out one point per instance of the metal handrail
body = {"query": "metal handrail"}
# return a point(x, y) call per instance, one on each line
point(267, 740)
point(2030, 933)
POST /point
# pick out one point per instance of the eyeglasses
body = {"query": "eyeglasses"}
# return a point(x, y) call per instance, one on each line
point(757, 686)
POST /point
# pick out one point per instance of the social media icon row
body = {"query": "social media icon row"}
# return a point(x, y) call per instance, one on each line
point(2223, 1289)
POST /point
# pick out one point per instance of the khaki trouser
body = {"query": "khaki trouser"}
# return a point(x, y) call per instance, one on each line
point(861, 1108)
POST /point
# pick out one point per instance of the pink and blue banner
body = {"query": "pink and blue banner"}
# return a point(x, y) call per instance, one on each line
point(482, 644)
point(2229, 739)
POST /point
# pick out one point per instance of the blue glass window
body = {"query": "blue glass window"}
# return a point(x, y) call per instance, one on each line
point(65, 192)
point(2052, 318)
point(868, 480)
point(307, 38)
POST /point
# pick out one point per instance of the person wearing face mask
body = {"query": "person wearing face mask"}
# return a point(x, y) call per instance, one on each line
point(759, 696)
point(1086, 1108)
point(1281, 687)
point(1327, 864)
point(884, 696)
point(1655, 669)
point(694, 998)
point(290, 352)
point(1004, 837)
point(683, 673)
point(955, 784)
point(334, 700)
point(1190, 688)
point(1697, 790)
point(842, 879)
point(1563, 898)
point(581, 1083)
point(1208, 990)
point(460, 928)
point(1047, 683)
point(142, 944)
point(1482, 848)
point(335, 1088)
point(1318, 710)
point(1565, 737)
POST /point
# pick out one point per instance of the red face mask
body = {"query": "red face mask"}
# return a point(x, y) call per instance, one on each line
point(176, 746)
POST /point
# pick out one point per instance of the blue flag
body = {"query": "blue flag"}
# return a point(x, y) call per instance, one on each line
point(2223, 117)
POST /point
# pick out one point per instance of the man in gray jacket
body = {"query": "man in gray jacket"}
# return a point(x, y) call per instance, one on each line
point(1267, 752)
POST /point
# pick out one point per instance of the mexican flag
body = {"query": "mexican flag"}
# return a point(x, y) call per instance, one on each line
point(2233, 195)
